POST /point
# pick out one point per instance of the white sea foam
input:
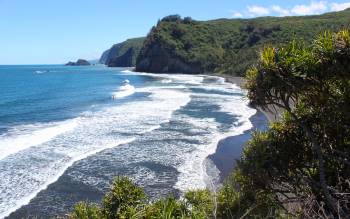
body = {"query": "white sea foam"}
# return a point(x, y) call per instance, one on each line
point(193, 173)
point(231, 100)
point(124, 91)
point(92, 132)
point(16, 204)
point(49, 155)
point(220, 80)
point(166, 81)
point(185, 79)
point(23, 137)
point(127, 71)
point(175, 78)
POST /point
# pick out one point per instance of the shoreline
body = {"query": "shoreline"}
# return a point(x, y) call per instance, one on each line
point(230, 149)
point(272, 113)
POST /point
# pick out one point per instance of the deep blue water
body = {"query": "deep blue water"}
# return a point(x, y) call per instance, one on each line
point(47, 93)
point(65, 132)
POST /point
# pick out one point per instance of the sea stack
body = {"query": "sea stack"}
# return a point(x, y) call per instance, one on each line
point(79, 62)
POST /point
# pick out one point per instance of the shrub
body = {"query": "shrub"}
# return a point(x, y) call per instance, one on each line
point(121, 196)
point(301, 158)
point(84, 210)
point(202, 201)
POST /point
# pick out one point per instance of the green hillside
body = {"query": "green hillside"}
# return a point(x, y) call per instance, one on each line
point(123, 54)
point(225, 45)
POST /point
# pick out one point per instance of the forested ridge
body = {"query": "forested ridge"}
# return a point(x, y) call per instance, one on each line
point(228, 46)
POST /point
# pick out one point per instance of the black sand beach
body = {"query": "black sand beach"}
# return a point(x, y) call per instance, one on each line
point(230, 149)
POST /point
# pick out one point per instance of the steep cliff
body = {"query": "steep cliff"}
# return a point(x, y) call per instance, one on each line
point(157, 58)
point(104, 57)
point(125, 60)
point(225, 45)
point(122, 54)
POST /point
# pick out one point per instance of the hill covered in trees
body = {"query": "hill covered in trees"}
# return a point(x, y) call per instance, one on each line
point(122, 54)
point(226, 45)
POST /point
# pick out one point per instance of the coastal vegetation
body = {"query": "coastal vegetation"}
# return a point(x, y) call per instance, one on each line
point(299, 168)
point(303, 160)
point(122, 54)
point(228, 46)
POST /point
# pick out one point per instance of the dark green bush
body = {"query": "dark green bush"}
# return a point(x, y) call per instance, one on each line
point(83, 210)
point(301, 158)
point(122, 194)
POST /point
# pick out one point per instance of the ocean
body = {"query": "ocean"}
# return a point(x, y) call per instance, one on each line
point(66, 132)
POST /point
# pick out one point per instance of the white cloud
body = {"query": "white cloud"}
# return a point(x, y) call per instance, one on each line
point(279, 10)
point(340, 6)
point(313, 8)
point(255, 10)
point(236, 14)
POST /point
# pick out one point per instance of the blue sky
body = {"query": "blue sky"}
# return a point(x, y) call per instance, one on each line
point(56, 31)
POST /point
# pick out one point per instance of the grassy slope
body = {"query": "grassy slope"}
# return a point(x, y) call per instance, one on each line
point(231, 45)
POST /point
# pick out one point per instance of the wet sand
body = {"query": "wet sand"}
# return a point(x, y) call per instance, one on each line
point(230, 149)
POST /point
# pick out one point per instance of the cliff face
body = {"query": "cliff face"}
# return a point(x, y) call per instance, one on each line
point(227, 46)
point(122, 54)
point(104, 57)
point(125, 60)
point(158, 59)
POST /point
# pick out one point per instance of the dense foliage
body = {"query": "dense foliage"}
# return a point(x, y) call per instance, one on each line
point(126, 200)
point(115, 54)
point(299, 168)
point(304, 159)
point(230, 45)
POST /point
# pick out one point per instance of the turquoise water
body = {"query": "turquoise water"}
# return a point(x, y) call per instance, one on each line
point(65, 132)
